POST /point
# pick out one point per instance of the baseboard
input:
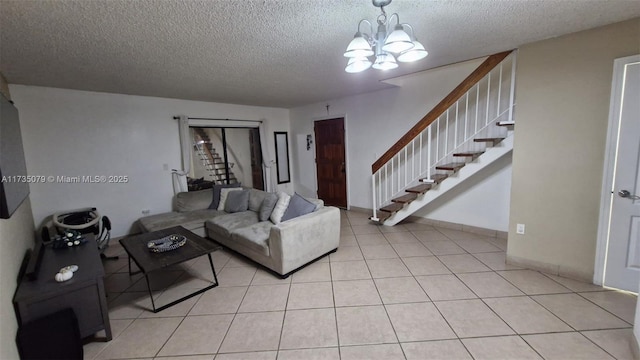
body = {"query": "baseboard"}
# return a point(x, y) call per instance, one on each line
point(460, 227)
point(360, 210)
point(551, 269)
point(445, 224)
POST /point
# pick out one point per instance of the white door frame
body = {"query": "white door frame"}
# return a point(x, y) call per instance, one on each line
point(607, 192)
point(346, 151)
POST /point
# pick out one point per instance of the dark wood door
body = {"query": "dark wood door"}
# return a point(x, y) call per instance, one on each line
point(330, 162)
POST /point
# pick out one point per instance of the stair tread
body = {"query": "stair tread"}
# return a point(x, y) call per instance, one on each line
point(419, 189)
point(450, 167)
point(505, 123)
point(407, 198)
point(469, 154)
point(391, 208)
point(494, 140)
point(437, 178)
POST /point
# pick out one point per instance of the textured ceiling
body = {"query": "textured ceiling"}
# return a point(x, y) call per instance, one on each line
point(280, 53)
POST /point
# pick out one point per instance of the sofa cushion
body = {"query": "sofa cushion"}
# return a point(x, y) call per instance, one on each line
point(189, 220)
point(237, 201)
point(319, 203)
point(266, 208)
point(256, 197)
point(280, 208)
point(224, 224)
point(224, 193)
point(255, 237)
point(215, 201)
point(193, 200)
point(298, 206)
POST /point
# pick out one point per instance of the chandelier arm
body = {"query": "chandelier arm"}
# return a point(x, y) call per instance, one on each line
point(413, 35)
point(397, 20)
point(368, 22)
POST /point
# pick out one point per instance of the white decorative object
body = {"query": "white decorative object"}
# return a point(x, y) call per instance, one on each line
point(280, 208)
point(72, 268)
point(223, 196)
point(64, 275)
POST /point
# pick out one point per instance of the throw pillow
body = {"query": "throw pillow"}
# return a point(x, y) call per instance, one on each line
point(298, 206)
point(237, 201)
point(280, 208)
point(223, 196)
point(216, 194)
point(267, 206)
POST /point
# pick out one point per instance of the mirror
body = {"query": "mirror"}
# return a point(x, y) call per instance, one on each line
point(282, 156)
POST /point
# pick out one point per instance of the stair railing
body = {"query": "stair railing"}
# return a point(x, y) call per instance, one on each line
point(485, 97)
point(203, 151)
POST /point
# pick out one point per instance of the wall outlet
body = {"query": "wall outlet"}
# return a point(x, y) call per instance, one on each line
point(520, 229)
point(146, 211)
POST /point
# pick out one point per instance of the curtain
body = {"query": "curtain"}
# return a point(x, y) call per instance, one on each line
point(180, 176)
point(267, 162)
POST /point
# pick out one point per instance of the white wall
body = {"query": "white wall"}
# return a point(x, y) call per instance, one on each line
point(375, 121)
point(76, 133)
point(483, 201)
point(563, 92)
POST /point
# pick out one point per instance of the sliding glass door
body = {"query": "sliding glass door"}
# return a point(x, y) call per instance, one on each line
point(225, 155)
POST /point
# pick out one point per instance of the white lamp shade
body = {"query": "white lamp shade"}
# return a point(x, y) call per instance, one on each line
point(358, 47)
point(416, 53)
point(398, 41)
point(356, 65)
point(385, 62)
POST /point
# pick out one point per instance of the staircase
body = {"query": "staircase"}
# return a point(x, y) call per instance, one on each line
point(211, 159)
point(469, 129)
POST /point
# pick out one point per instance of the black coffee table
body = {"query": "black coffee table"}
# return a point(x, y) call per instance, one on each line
point(147, 261)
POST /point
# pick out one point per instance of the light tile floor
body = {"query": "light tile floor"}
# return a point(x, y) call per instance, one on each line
point(411, 291)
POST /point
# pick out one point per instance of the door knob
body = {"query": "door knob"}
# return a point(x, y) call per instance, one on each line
point(627, 194)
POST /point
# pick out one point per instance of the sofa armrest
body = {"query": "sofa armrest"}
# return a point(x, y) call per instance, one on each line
point(295, 242)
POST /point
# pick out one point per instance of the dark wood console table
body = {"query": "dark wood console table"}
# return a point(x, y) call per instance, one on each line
point(84, 293)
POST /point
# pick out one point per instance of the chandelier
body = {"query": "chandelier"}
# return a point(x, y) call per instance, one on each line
point(387, 45)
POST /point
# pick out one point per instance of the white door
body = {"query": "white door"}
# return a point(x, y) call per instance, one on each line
point(622, 265)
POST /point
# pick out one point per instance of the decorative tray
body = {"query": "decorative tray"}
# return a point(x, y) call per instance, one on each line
point(167, 243)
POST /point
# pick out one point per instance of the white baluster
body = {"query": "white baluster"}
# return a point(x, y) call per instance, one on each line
point(455, 127)
point(486, 118)
point(437, 143)
point(386, 177)
point(413, 159)
point(446, 138)
point(512, 90)
point(380, 200)
point(477, 105)
point(499, 91)
point(375, 215)
point(466, 115)
point(406, 165)
point(420, 154)
point(429, 180)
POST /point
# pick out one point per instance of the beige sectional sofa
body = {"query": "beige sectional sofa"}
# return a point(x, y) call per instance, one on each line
point(283, 248)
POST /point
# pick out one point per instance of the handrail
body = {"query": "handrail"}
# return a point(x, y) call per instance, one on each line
point(491, 62)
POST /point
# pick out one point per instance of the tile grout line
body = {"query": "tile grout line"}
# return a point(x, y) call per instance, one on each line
point(234, 318)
